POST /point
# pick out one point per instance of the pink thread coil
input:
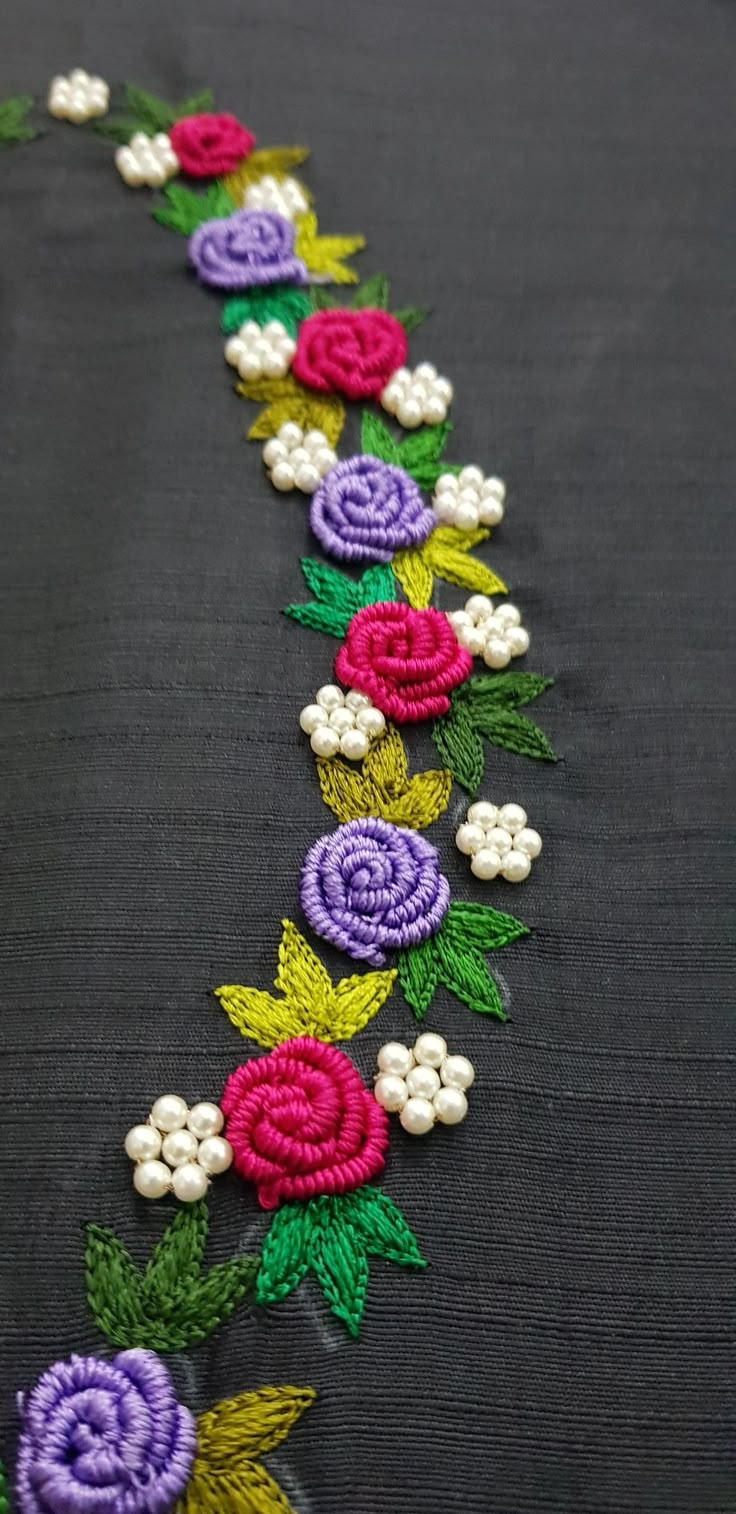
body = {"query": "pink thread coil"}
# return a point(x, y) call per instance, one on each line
point(407, 661)
point(207, 145)
point(301, 1123)
point(352, 352)
point(101, 1437)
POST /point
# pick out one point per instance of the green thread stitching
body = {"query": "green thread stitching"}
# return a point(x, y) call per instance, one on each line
point(14, 128)
point(454, 957)
point(485, 705)
point(338, 598)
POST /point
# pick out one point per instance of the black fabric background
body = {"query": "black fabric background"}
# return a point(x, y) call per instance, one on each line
point(556, 182)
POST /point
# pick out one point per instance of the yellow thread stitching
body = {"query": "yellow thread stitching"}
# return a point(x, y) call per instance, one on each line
point(384, 789)
point(445, 555)
point(286, 399)
point(230, 1438)
point(325, 255)
point(277, 161)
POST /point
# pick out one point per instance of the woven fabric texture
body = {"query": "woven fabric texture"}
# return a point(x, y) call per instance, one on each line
point(555, 182)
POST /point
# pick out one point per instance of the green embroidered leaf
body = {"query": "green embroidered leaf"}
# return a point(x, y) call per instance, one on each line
point(320, 618)
point(424, 446)
point(121, 128)
point(460, 747)
point(154, 114)
point(418, 968)
point(410, 318)
point(515, 733)
point(4, 1502)
point(339, 1263)
point(14, 127)
point(186, 209)
point(477, 925)
point(329, 585)
point(322, 299)
point(382, 1227)
point(376, 438)
point(463, 970)
point(376, 586)
point(484, 690)
point(195, 105)
point(372, 293)
point(267, 302)
point(172, 1304)
point(285, 1253)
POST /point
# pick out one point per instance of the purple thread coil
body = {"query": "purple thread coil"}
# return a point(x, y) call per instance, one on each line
point(364, 510)
point(104, 1438)
point(371, 886)
point(247, 248)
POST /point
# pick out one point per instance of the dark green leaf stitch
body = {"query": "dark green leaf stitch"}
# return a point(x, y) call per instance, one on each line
point(485, 705)
point(14, 127)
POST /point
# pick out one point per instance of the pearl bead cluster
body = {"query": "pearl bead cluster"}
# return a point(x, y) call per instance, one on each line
point(495, 635)
point(423, 1084)
point(77, 96)
point(468, 499)
point(498, 841)
point(260, 351)
point(298, 460)
point(178, 1150)
point(287, 198)
point(418, 397)
point(149, 161)
point(338, 722)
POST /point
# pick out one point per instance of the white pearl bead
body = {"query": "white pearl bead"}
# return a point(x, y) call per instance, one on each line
point(324, 741)
point(450, 1106)
point(143, 1143)
point(354, 745)
point(395, 1058)
point(314, 441)
point(330, 696)
point(190, 1182)
point(528, 841)
point(470, 477)
point(409, 413)
point(179, 1146)
point(215, 1154)
point(205, 1120)
point(498, 839)
point(357, 701)
point(512, 818)
point(516, 867)
point(478, 604)
point(325, 460)
point(444, 508)
point(390, 1092)
point(495, 487)
point(157, 176)
point(443, 390)
point(291, 434)
point(496, 653)
point(447, 483)
point(459, 618)
point(169, 1113)
point(430, 1050)
point(457, 1072)
point(299, 456)
point(372, 722)
point(417, 1116)
point(467, 515)
point(435, 410)
point(422, 1082)
point(233, 353)
point(425, 371)
point(485, 864)
point(508, 615)
point(472, 638)
point(79, 76)
point(311, 717)
point(275, 364)
point(469, 839)
point(249, 365)
point(282, 477)
point(307, 478)
point(483, 813)
point(151, 1180)
point(77, 109)
point(341, 719)
point(139, 141)
point(517, 641)
point(490, 512)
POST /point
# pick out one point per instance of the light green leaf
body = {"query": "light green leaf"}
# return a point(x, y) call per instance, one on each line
point(372, 293)
point(419, 973)
point(410, 318)
point(376, 439)
point(186, 209)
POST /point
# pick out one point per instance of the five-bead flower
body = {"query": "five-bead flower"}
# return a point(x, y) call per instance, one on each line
point(423, 1084)
point(178, 1150)
point(338, 722)
point(498, 841)
point(496, 635)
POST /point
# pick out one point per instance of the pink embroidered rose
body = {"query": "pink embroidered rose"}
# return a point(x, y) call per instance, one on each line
point(301, 1122)
point(406, 660)
point(209, 145)
point(352, 352)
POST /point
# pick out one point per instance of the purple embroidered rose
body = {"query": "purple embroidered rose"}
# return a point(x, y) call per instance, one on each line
point(249, 247)
point(370, 886)
point(364, 510)
point(101, 1436)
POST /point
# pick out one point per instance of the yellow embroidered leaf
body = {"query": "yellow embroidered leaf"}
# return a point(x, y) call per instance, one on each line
point(324, 255)
point(424, 800)
point(386, 764)
point(301, 977)
point(288, 400)
point(343, 790)
point(415, 576)
point(357, 1000)
point(446, 553)
point(259, 1016)
point(251, 1424)
point(277, 161)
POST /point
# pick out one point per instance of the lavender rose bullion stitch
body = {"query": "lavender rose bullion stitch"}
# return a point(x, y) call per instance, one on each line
point(364, 510)
point(370, 886)
point(246, 248)
point(101, 1436)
